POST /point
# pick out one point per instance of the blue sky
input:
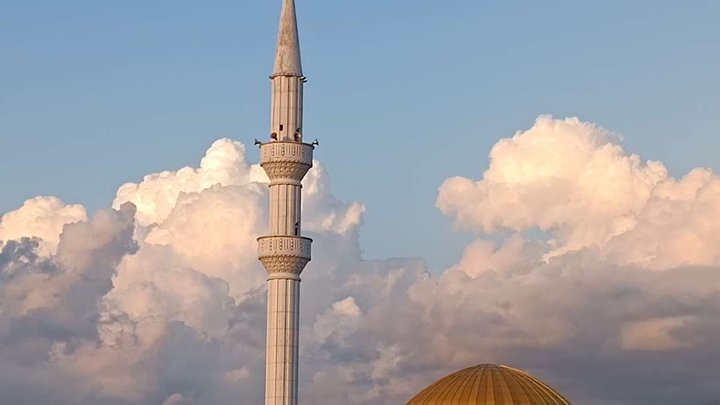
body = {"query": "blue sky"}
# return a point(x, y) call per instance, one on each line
point(402, 94)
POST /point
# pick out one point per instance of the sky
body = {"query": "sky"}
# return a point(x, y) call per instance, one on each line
point(451, 174)
point(401, 95)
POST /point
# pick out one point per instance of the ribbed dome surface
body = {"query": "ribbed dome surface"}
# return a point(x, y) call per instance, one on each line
point(488, 384)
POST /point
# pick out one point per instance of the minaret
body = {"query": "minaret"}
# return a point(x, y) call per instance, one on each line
point(284, 253)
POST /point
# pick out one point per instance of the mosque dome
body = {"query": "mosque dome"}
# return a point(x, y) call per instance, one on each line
point(488, 384)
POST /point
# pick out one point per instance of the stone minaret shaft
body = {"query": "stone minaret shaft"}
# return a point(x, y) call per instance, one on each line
point(284, 253)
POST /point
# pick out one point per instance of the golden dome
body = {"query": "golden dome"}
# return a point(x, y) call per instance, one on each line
point(489, 384)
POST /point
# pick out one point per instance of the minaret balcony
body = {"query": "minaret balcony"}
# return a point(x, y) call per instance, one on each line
point(284, 246)
point(286, 151)
point(284, 254)
point(286, 160)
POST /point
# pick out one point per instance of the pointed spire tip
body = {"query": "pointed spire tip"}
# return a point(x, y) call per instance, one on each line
point(287, 55)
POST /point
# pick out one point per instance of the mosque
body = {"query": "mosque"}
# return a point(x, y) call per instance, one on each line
point(286, 158)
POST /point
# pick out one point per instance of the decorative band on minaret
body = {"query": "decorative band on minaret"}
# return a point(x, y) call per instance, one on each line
point(284, 253)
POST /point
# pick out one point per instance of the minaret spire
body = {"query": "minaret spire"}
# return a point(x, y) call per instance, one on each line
point(284, 252)
point(287, 54)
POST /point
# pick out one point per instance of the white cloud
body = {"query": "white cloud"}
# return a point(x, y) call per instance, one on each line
point(655, 334)
point(573, 180)
point(40, 217)
point(322, 211)
point(224, 164)
point(338, 321)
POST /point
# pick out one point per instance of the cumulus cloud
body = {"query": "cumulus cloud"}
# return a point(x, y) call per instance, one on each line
point(51, 304)
point(162, 300)
point(43, 218)
point(224, 164)
point(324, 212)
point(573, 180)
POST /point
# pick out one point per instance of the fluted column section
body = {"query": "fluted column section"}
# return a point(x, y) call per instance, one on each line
point(287, 107)
point(282, 341)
